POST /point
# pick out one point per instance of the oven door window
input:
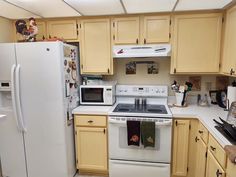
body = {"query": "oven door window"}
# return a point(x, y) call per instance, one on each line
point(91, 95)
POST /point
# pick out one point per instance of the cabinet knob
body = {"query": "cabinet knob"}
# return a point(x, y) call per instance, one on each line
point(43, 37)
point(144, 41)
point(90, 121)
point(137, 41)
point(212, 148)
point(49, 36)
point(218, 173)
point(200, 131)
point(196, 139)
point(232, 71)
point(108, 70)
point(174, 70)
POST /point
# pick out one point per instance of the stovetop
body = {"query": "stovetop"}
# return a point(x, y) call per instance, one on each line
point(149, 108)
point(226, 135)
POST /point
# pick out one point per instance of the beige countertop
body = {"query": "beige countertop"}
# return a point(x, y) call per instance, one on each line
point(204, 114)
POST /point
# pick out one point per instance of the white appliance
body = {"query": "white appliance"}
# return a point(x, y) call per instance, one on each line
point(39, 89)
point(99, 94)
point(128, 51)
point(137, 161)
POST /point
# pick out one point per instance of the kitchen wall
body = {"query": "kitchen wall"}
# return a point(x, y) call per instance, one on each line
point(6, 30)
point(208, 82)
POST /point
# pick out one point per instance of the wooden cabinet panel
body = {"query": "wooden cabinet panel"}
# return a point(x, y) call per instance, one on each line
point(231, 169)
point(126, 30)
point(92, 148)
point(203, 133)
point(156, 29)
point(200, 168)
point(217, 151)
point(229, 53)
point(66, 29)
point(180, 147)
point(90, 121)
point(196, 43)
point(213, 168)
point(96, 47)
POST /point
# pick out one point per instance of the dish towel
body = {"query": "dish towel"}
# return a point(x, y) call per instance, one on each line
point(231, 153)
point(133, 129)
point(148, 134)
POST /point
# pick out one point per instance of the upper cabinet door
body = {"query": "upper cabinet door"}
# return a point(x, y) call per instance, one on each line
point(42, 31)
point(196, 43)
point(95, 46)
point(156, 29)
point(66, 29)
point(126, 30)
point(229, 53)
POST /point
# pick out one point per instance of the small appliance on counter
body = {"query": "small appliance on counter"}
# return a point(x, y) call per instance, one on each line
point(231, 94)
point(231, 118)
point(98, 94)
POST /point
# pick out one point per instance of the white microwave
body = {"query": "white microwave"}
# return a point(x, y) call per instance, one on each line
point(97, 94)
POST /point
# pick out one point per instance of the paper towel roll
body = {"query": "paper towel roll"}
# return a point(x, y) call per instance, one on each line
point(231, 94)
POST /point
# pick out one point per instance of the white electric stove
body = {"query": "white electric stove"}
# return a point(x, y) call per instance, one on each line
point(138, 161)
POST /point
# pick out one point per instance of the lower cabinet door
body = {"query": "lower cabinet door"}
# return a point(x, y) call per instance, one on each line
point(92, 148)
point(200, 168)
point(213, 168)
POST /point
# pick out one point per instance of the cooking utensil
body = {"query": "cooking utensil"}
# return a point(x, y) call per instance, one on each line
point(228, 128)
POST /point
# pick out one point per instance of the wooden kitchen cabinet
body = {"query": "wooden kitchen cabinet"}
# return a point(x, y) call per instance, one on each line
point(156, 29)
point(66, 29)
point(229, 53)
point(201, 157)
point(91, 144)
point(95, 45)
point(126, 30)
point(213, 168)
point(231, 169)
point(196, 43)
point(180, 147)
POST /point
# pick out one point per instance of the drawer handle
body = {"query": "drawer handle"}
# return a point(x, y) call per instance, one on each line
point(90, 121)
point(200, 131)
point(196, 139)
point(212, 148)
point(218, 173)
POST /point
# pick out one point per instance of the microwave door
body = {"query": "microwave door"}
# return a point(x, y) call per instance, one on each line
point(92, 95)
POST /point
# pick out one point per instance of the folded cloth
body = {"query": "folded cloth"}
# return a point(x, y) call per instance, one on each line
point(133, 129)
point(231, 152)
point(148, 134)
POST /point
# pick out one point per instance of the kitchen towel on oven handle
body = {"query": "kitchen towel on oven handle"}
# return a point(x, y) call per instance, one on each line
point(148, 134)
point(133, 132)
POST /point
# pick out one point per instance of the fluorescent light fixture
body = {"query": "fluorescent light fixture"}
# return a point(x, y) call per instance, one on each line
point(184, 5)
point(97, 7)
point(46, 8)
point(147, 6)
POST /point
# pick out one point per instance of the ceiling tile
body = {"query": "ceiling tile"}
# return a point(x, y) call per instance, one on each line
point(97, 7)
point(47, 8)
point(146, 6)
point(12, 12)
point(201, 4)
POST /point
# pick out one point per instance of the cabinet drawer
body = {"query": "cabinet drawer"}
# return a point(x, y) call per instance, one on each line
point(231, 169)
point(90, 121)
point(217, 151)
point(203, 133)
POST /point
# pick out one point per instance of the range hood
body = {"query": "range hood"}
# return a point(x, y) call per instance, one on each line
point(136, 51)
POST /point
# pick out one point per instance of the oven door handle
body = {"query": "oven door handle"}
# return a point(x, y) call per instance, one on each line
point(166, 123)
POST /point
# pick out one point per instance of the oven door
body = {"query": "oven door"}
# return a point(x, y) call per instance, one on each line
point(118, 168)
point(119, 149)
point(92, 95)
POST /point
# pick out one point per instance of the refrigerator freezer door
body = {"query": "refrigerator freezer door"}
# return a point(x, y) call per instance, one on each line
point(42, 100)
point(12, 154)
point(7, 59)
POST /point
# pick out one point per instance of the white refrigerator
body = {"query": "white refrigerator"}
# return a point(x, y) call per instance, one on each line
point(38, 89)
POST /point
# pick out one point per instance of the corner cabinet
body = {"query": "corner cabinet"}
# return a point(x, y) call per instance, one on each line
point(66, 29)
point(196, 43)
point(229, 53)
point(95, 45)
point(91, 144)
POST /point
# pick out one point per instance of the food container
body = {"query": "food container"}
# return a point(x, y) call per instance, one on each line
point(231, 118)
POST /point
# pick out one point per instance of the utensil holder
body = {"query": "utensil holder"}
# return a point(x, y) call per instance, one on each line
point(179, 98)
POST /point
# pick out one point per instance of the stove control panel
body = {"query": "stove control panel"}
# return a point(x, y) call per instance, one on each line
point(142, 90)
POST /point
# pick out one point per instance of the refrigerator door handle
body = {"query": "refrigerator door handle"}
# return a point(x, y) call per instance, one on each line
point(18, 100)
point(13, 93)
